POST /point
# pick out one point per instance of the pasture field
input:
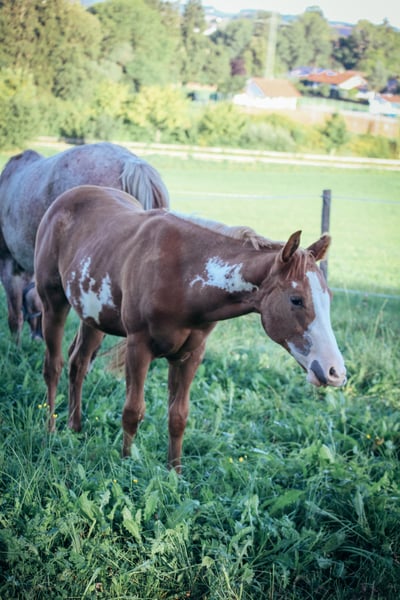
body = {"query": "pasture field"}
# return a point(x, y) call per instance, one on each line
point(278, 199)
point(287, 492)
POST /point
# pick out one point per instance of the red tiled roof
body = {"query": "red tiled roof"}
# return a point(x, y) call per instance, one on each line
point(393, 98)
point(276, 88)
point(332, 77)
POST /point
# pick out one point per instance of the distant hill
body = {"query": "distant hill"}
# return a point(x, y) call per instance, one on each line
point(343, 29)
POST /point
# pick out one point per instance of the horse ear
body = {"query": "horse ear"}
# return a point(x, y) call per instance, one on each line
point(290, 247)
point(320, 248)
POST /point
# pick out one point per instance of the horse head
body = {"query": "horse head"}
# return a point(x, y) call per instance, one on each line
point(295, 311)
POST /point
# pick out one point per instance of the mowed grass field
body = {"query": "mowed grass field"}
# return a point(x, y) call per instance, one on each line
point(277, 200)
point(287, 492)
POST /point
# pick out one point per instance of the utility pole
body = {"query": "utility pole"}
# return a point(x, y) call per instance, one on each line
point(271, 46)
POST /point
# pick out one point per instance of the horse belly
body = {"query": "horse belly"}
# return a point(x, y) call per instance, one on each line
point(21, 215)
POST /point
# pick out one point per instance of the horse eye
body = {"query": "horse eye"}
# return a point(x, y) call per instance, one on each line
point(296, 300)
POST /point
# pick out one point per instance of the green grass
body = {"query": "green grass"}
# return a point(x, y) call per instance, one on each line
point(287, 492)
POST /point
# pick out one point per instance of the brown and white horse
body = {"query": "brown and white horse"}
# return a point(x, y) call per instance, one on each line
point(30, 182)
point(163, 281)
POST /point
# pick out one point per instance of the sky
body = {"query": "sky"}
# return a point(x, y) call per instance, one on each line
point(349, 11)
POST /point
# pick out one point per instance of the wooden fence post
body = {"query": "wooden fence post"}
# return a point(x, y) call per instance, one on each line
point(325, 222)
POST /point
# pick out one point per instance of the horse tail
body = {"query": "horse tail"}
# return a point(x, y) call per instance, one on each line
point(141, 180)
point(115, 357)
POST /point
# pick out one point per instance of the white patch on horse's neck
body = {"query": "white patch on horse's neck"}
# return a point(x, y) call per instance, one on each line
point(224, 276)
point(90, 303)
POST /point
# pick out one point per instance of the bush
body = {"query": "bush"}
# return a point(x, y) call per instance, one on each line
point(222, 124)
point(372, 146)
point(335, 132)
point(160, 112)
point(264, 136)
point(74, 120)
point(19, 111)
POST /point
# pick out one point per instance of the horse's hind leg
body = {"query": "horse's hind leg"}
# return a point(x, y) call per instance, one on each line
point(137, 361)
point(13, 285)
point(180, 377)
point(32, 308)
point(81, 353)
point(54, 316)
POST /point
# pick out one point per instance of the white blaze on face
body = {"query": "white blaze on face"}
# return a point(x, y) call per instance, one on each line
point(321, 342)
point(90, 303)
point(224, 276)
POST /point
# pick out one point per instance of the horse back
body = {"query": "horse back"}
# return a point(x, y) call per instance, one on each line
point(86, 220)
point(87, 211)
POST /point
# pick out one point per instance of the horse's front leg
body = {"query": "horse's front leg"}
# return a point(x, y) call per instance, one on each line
point(137, 361)
point(180, 377)
point(81, 353)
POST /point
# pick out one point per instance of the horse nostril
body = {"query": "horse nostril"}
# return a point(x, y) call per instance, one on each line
point(333, 374)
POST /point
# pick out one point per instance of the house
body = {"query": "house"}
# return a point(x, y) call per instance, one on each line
point(337, 82)
point(268, 93)
point(385, 104)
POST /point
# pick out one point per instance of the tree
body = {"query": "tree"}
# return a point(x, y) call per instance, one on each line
point(57, 42)
point(195, 44)
point(216, 69)
point(236, 36)
point(378, 76)
point(335, 132)
point(19, 115)
point(346, 52)
point(256, 50)
point(306, 42)
point(371, 49)
point(233, 39)
point(193, 20)
point(19, 21)
point(135, 38)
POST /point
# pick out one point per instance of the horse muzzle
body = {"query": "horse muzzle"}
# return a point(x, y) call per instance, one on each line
point(333, 376)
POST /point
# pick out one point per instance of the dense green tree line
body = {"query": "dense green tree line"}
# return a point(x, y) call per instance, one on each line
point(121, 67)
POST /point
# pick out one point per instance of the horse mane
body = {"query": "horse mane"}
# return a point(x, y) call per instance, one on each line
point(237, 232)
point(15, 162)
point(141, 180)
